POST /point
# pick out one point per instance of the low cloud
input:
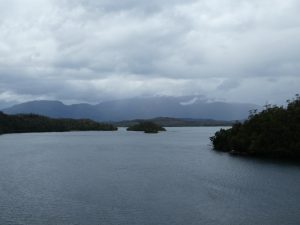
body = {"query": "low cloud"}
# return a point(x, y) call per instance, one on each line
point(90, 51)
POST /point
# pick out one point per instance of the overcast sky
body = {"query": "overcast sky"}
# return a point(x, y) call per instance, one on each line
point(94, 50)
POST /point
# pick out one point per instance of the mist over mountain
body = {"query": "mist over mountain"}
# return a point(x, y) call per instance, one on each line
point(139, 108)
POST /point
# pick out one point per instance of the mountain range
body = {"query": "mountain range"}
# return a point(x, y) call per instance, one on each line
point(192, 107)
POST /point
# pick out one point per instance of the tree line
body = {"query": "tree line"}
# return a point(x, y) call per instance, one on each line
point(275, 131)
point(24, 123)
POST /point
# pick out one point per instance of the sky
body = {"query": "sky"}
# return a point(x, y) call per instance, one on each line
point(97, 50)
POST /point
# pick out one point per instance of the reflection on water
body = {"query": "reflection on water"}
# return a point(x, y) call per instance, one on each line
point(133, 178)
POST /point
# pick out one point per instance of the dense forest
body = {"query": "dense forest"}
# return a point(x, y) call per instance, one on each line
point(273, 132)
point(25, 123)
point(147, 127)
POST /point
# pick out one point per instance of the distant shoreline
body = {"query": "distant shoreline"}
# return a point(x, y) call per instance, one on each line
point(71, 131)
point(33, 123)
point(177, 122)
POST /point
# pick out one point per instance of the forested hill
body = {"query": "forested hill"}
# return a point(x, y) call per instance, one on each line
point(273, 132)
point(25, 123)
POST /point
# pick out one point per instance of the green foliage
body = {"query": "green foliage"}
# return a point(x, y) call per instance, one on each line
point(273, 132)
point(147, 127)
point(24, 123)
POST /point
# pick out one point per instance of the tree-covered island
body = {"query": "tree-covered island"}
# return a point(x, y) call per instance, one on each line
point(147, 127)
point(29, 123)
point(273, 132)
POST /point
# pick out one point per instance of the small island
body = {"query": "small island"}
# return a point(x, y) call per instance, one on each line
point(273, 132)
point(31, 123)
point(147, 127)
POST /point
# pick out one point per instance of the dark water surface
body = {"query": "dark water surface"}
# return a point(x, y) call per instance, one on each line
point(116, 178)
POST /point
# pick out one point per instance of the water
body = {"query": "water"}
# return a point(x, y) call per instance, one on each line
point(129, 178)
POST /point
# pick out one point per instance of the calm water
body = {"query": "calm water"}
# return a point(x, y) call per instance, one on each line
point(118, 178)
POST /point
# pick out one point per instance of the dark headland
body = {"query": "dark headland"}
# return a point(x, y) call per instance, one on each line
point(29, 123)
point(273, 132)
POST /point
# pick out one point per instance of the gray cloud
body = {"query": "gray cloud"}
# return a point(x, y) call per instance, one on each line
point(95, 50)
